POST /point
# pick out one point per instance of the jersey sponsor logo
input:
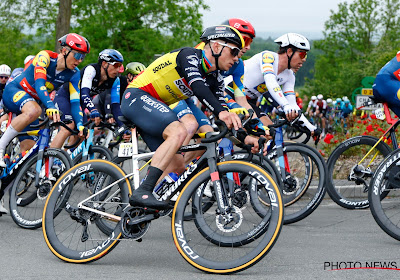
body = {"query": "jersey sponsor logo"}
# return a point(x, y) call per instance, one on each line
point(127, 95)
point(40, 71)
point(188, 69)
point(161, 66)
point(268, 58)
point(193, 59)
point(277, 89)
point(42, 61)
point(193, 73)
point(180, 84)
point(26, 86)
point(156, 105)
point(220, 28)
point(18, 96)
point(170, 91)
point(133, 101)
point(261, 88)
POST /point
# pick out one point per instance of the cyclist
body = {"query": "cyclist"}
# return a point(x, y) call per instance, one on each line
point(97, 78)
point(5, 73)
point(178, 75)
point(134, 69)
point(320, 112)
point(47, 71)
point(272, 74)
point(299, 101)
point(311, 106)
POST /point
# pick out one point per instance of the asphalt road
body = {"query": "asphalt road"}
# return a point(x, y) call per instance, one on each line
point(329, 238)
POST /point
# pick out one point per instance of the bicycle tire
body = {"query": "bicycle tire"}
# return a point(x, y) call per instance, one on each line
point(66, 234)
point(384, 195)
point(99, 152)
point(191, 242)
point(308, 169)
point(341, 165)
point(26, 200)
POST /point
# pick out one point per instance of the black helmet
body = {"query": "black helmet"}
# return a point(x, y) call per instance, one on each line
point(225, 33)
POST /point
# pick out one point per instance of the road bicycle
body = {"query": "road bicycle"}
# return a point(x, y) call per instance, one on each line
point(32, 184)
point(353, 163)
point(34, 173)
point(82, 222)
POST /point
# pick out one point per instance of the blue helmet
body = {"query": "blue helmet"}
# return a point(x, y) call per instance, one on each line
point(110, 56)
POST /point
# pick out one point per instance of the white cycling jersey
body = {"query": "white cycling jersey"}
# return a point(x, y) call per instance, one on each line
point(261, 75)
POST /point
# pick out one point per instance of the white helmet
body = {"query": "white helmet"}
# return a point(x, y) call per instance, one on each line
point(5, 70)
point(29, 57)
point(313, 97)
point(295, 40)
point(320, 96)
point(329, 100)
point(345, 98)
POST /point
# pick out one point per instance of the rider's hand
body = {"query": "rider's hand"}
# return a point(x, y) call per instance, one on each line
point(252, 141)
point(230, 119)
point(290, 112)
point(95, 115)
point(53, 114)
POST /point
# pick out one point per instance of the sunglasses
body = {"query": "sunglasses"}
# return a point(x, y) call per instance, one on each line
point(4, 77)
point(78, 55)
point(116, 64)
point(302, 54)
point(234, 50)
point(247, 41)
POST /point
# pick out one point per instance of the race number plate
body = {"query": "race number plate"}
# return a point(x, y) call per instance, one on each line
point(125, 150)
point(380, 114)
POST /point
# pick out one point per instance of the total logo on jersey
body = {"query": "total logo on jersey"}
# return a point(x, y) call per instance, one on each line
point(158, 106)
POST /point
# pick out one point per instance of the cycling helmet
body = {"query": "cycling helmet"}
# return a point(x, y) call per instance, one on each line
point(320, 96)
point(110, 56)
point(5, 70)
point(313, 97)
point(29, 57)
point(75, 42)
point(243, 26)
point(347, 101)
point(329, 100)
point(135, 68)
point(223, 32)
point(345, 98)
point(293, 40)
point(338, 99)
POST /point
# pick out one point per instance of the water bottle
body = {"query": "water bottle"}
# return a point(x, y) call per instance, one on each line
point(164, 184)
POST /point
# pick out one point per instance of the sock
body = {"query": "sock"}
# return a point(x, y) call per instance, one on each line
point(8, 135)
point(152, 176)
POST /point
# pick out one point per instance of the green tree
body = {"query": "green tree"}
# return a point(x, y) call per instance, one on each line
point(358, 40)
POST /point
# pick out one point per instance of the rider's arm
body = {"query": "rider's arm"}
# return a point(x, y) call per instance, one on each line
point(115, 105)
point(76, 112)
point(86, 85)
point(42, 61)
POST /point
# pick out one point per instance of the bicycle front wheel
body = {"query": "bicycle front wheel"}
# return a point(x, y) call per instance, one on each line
point(210, 241)
point(27, 199)
point(384, 195)
point(73, 234)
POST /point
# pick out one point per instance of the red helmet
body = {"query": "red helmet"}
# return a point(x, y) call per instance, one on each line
point(75, 42)
point(242, 26)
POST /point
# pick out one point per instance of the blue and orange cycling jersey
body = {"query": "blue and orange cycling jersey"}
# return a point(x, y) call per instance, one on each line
point(38, 80)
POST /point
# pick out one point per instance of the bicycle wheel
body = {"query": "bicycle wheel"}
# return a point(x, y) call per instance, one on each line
point(384, 195)
point(73, 235)
point(208, 241)
point(27, 199)
point(349, 173)
point(304, 181)
point(98, 152)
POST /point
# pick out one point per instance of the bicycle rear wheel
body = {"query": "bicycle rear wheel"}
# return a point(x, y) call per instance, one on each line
point(73, 234)
point(384, 195)
point(348, 176)
point(226, 242)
